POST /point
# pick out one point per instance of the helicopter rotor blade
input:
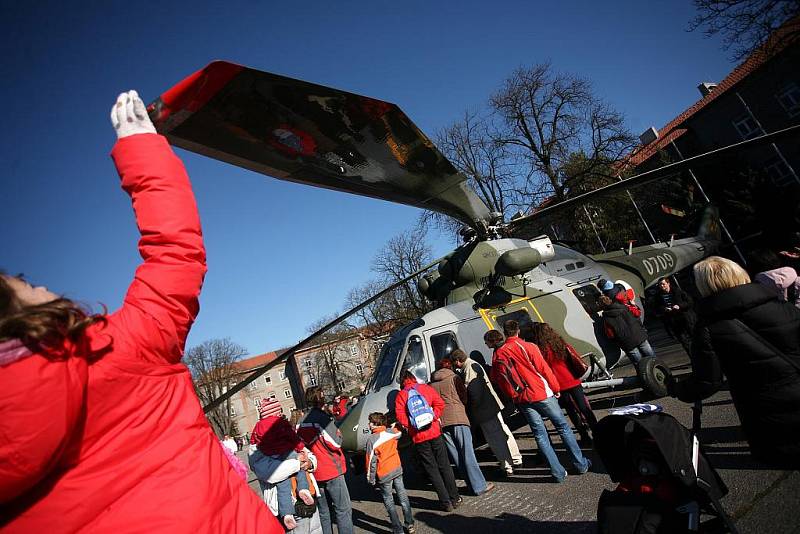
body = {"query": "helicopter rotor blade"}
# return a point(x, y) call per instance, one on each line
point(655, 174)
point(291, 351)
point(315, 135)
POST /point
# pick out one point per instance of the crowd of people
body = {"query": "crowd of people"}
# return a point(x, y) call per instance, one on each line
point(102, 429)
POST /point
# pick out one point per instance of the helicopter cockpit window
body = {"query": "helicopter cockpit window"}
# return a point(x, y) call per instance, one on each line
point(521, 316)
point(384, 372)
point(443, 345)
point(415, 359)
point(588, 295)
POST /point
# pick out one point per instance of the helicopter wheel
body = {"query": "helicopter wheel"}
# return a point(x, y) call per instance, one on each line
point(654, 376)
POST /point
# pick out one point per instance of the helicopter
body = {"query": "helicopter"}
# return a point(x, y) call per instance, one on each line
point(298, 131)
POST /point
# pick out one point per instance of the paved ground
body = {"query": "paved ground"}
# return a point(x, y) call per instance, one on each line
point(760, 500)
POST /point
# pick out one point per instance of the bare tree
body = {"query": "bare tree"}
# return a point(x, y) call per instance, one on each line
point(546, 117)
point(747, 25)
point(470, 146)
point(331, 363)
point(213, 369)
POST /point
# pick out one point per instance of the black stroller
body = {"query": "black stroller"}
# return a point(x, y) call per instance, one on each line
point(665, 483)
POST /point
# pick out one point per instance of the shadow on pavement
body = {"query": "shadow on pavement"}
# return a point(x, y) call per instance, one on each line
point(501, 523)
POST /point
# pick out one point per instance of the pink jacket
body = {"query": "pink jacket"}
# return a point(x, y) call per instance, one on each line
point(120, 443)
point(784, 281)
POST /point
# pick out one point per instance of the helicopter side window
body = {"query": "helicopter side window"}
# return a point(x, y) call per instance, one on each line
point(415, 359)
point(587, 296)
point(443, 345)
point(521, 316)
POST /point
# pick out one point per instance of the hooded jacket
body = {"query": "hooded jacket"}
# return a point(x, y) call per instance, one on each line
point(321, 435)
point(434, 430)
point(520, 371)
point(621, 326)
point(451, 388)
point(119, 442)
point(765, 388)
point(784, 281)
point(382, 460)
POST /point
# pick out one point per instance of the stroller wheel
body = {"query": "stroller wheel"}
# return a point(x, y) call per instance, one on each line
point(654, 376)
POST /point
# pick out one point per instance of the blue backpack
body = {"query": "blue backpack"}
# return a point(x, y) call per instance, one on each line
point(420, 413)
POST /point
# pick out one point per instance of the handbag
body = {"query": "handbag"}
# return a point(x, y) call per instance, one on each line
point(577, 367)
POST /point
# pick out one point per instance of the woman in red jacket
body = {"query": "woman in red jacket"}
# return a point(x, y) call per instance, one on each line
point(100, 428)
point(556, 351)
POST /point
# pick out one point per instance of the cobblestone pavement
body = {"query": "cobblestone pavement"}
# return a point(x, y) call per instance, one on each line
point(760, 500)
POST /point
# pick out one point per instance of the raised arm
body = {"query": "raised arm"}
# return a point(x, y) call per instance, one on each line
point(162, 302)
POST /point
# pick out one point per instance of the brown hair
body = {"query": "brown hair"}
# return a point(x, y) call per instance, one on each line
point(43, 326)
point(543, 335)
point(377, 418)
point(315, 397)
point(604, 301)
point(510, 327)
point(493, 336)
point(459, 355)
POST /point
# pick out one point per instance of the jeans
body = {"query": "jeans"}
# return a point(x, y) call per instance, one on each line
point(501, 441)
point(458, 439)
point(433, 457)
point(534, 412)
point(335, 491)
point(388, 502)
point(637, 353)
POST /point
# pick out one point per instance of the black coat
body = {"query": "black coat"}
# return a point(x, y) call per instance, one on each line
point(764, 386)
point(684, 318)
point(624, 328)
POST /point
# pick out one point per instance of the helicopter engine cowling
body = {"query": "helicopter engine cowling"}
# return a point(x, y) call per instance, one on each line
point(514, 262)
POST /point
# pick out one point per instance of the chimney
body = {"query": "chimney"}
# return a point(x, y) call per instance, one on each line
point(649, 135)
point(706, 88)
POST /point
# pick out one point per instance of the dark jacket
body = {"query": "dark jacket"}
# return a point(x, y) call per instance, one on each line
point(621, 326)
point(452, 389)
point(764, 386)
point(676, 321)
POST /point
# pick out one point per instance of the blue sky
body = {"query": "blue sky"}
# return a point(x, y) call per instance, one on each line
point(282, 255)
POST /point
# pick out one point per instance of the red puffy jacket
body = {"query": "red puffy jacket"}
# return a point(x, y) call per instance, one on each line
point(401, 411)
point(559, 367)
point(520, 371)
point(119, 443)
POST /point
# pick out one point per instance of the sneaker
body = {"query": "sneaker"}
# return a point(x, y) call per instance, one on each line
point(456, 503)
point(588, 466)
point(489, 487)
point(447, 506)
point(508, 471)
point(516, 463)
point(562, 479)
point(411, 529)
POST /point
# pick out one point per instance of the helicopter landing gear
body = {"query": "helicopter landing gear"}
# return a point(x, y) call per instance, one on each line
point(654, 376)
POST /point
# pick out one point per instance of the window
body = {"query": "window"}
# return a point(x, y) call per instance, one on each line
point(354, 351)
point(587, 296)
point(252, 385)
point(283, 374)
point(232, 410)
point(415, 359)
point(789, 99)
point(271, 394)
point(341, 385)
point(307, 363)
point(521, 316)
point(778, 172)
point(360, 368)
point(443, 345)
point(746, 127)
point(287, 393)
point(312, 381)
point(268, 379)
point(256, 402)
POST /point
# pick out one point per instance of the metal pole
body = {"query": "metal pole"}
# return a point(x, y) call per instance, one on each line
point(638, 211)
point(594, 228)
point(774, 146)
point(708, 200)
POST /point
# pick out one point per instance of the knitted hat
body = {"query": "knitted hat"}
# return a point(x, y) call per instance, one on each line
point(269, 406)
point(608, 285)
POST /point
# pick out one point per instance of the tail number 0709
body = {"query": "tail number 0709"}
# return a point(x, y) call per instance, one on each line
point(656, 264)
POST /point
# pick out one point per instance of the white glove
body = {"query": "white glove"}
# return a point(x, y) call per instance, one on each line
point(129, 116)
